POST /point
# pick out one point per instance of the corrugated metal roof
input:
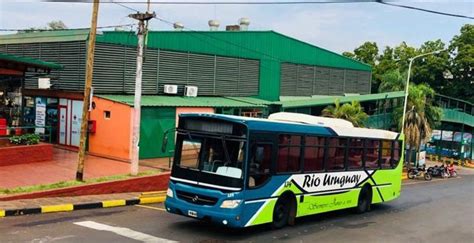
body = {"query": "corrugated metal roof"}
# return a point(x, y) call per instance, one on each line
point(178, 101)
point(316, 101)
point(252, 100)
point(45, 36)
point(30, 62)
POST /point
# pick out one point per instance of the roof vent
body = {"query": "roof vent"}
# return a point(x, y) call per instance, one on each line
point(178, 26)
point(213, 24)
point(232, 28)
point(244, 23)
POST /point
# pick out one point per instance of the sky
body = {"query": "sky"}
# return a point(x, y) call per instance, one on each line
point(336, 27)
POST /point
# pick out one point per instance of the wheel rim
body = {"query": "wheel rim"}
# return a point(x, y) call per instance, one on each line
point(280, 212)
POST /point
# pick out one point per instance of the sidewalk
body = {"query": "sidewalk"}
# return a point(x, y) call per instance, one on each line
point(63, 168)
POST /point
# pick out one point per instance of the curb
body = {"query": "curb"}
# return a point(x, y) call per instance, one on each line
point(80, 206)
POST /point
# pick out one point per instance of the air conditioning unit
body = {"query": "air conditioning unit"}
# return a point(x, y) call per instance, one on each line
point(170, 89)
point(44, 83)
point(191, 91)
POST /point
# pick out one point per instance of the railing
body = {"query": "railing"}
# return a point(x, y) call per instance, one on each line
point(447, 102)
point(382, 121)
point(45, 132)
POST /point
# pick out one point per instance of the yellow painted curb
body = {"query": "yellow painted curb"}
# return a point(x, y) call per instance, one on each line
point(113, 203)
point(152, 200)
point(57, 208)
point(2, 213)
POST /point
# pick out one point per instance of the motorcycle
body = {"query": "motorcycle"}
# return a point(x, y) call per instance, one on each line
point(419, 171)
point(451, 171)
point(438, 171)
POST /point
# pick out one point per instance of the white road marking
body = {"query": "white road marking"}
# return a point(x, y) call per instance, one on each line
point(150, 207)
point(139, 236)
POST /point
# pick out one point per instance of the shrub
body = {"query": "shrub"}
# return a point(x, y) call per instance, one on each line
point(27, 139)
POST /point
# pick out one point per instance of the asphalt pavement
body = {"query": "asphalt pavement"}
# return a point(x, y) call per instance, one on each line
point(438, 211)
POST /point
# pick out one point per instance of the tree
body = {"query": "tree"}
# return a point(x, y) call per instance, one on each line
point(53, 25)
point(366, 53)
point(352, 112)
point(56, 25)
point(393, 81)
point(461, 49)
point(430, 69)
point(416, 130)
point(422, 116)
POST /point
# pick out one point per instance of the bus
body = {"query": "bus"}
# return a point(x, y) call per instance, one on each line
point(240, 172)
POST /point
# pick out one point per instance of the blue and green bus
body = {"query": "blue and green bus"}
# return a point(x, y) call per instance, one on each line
point(240, 172)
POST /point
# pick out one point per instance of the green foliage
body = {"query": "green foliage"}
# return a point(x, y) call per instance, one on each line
point(392, 80)
point(352, 112)
point(449, 72)
point(26, 139)
point(53, 25)
point(461, 49)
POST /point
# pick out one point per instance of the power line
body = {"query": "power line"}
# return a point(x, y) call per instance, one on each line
point(222, 2)
point(269, 3)
point(210, 36)
point(425, 10)
point(52, 30)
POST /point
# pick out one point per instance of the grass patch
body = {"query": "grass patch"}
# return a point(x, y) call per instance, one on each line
point(63, 184)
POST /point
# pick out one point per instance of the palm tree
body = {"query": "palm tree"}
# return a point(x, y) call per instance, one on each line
point(352, 112)
point(417, 130)
point(422, 117)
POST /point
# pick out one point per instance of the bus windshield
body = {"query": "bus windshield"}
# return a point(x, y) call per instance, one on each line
point(218, 155)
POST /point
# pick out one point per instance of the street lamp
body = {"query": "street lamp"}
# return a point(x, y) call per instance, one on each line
point(408, 82)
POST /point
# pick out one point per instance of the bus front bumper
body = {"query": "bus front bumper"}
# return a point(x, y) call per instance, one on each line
point(230, 218)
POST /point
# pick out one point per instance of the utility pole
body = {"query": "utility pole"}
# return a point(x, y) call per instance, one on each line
point(141, 17)
point(87, 92)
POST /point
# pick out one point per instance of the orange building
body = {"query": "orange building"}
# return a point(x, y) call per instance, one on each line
point(113, 118)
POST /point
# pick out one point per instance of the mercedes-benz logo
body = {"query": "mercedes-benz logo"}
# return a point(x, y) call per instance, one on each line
point(195, 198)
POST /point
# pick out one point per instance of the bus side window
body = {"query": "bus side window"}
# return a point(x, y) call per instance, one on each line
point(386, 154)
point(336, 154)
point(355, 153)
point(313, 154)
point(289, 153)
point(260, 163)
point(372, 155)
point(396, 153)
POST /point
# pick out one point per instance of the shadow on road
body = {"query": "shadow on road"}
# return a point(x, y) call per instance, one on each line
point(304, 225)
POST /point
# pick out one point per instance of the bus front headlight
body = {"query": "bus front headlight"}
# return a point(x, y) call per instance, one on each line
point(169, 193)
point(230, 203)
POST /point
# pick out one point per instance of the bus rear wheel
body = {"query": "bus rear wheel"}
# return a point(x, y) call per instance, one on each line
point(283, 210)
point(365, 200)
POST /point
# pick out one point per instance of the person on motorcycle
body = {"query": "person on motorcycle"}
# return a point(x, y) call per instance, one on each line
point(451, 170)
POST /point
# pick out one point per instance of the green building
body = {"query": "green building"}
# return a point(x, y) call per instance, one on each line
point(255, 72)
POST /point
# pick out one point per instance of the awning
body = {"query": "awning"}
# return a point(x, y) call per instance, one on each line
point(12, 62)
point(179, 101)
point(320, 101)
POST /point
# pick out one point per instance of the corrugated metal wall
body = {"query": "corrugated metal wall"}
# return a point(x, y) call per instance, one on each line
point(71, 55)
point(307, 80)
point(114, 72)
point(115, 65)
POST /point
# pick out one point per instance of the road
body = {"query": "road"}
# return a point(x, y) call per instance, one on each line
point(436, 211)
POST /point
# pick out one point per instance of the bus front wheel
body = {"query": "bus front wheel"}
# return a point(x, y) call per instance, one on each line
point(365, 200)
point(284, 211)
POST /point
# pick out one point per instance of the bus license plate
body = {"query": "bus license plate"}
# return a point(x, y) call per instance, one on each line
point(192, 213)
